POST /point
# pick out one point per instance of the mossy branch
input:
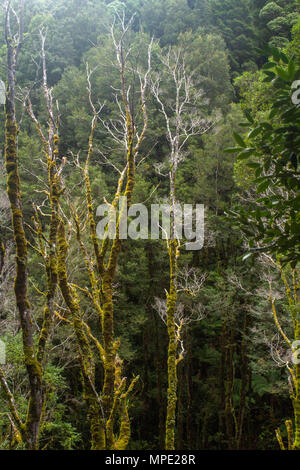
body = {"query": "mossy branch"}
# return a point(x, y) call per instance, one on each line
point(12, 406)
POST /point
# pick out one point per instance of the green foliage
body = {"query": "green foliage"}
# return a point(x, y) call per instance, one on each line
point(279, 19)
point(207, 59)
point(272, 149)
point(270, 11)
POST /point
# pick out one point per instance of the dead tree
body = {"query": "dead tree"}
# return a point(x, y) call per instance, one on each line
point(114, 392)
point(182, 119)
point(107, 408)
point(33, 355)
point(290, 280)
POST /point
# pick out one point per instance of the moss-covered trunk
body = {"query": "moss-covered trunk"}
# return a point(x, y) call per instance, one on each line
point(30, 430)
point(108, 343)
point(172, 350)
point(296, 401)
point(96, 419)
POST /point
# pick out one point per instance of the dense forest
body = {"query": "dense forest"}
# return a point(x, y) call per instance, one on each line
point(108, 110)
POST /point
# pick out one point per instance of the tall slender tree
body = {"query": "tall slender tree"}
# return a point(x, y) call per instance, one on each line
point(109, 407)
point(182, 121)
point(33, 354)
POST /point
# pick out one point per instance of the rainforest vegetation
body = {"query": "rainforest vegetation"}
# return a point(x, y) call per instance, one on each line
point(139, 343)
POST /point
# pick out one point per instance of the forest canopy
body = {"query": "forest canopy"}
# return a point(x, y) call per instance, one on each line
point(123, 328)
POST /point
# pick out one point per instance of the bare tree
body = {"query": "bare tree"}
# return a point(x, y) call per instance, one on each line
point(113, 402)
point(33, 356)
point(287, 354)
point(107, 408)
point(280, 285)
point(179, 105)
